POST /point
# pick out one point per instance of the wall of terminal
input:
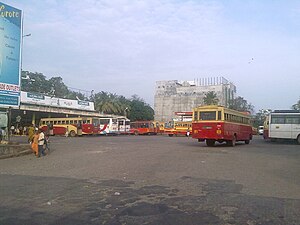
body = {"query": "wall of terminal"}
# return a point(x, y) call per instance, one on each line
point(177, 96)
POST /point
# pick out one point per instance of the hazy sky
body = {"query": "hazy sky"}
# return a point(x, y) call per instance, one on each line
point(124, 46)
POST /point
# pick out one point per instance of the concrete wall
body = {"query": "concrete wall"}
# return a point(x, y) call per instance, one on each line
point(174, 96)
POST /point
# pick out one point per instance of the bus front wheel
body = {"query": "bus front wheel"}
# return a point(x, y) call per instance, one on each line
point(72, 133)
point(298, 139)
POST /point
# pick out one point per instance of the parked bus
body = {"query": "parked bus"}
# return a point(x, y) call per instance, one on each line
point(216, 123)
point(114, 126)
point(178, 128)
point(284, 124)
point(75, 126)
point(143, 127)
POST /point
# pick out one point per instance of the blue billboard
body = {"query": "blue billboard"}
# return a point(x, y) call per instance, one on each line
point(10, 55)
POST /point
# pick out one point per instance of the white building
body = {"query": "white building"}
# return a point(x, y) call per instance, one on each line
point(179, 96)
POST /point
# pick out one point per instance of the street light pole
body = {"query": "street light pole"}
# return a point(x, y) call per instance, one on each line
point(26, 35)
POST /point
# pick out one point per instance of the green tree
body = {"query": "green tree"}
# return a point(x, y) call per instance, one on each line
point(58, 88)
point(139, 110)
point(297, 105)
point(34, 82)
point(134, 108)
point(110, 103)
point(37, 83)
point(240, 104)
point(210, 98)
point(260, 117)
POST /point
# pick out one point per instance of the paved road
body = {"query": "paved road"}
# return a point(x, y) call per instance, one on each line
point(152, 180)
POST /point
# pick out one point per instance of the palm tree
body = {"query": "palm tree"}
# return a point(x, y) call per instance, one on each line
point(110, 103)
point(210, 98)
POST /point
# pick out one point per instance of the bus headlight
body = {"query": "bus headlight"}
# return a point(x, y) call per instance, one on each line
point(218, 131)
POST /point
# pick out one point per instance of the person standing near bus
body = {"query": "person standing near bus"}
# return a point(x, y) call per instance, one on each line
point(41, 142)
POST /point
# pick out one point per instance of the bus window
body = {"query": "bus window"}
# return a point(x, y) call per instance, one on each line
point(95, 122)
point(104, 121)
point(219, 115)
point(127, 122)
point(277, 119)
point(55, 122)
point(71, 122)
point(208, 115)
point(292, 120)
point(63, 122)
point(121, 122)
point(195, 115)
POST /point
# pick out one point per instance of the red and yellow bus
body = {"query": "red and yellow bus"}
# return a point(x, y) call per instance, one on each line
point(143, 127)
point(219, 124)
point(160, 127)
point(178, 128)
point(75, 126)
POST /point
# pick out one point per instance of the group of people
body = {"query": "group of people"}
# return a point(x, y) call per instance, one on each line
point(18, 130)
point(38, 140)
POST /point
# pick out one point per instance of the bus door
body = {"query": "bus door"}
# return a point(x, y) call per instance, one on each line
point(114, 126)
point(50, 128)
point(121, 125)
point(79, 128)
point(96, 125)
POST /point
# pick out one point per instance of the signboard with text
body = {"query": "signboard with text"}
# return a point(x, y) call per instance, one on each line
point(40, 99)
point(10, 55)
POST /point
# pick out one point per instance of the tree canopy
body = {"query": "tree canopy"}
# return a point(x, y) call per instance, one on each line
point(296, 106)
point(240, 104)
point(134, 108)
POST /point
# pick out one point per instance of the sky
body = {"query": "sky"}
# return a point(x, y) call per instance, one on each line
point(124, 46)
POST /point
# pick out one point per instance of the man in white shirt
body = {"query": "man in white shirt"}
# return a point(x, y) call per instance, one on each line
point(41, 142)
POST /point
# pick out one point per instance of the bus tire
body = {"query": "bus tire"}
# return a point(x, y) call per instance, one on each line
point(247, 142)
point(72, 133)
point(210, 142)
point(136, 133)
point(170, 135)
point(298, 139)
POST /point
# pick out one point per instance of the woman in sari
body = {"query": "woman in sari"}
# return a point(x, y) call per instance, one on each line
point(34, 144)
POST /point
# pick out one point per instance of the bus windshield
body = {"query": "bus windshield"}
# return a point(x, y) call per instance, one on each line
point(211, 115)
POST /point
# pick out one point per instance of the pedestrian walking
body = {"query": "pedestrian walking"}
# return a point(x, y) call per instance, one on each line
point(41, 142)
point(188, 132)
point(31, 132)
point(34, 142)
point(47, 143)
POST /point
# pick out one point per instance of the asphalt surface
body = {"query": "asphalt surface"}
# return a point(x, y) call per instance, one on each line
point(152, 180)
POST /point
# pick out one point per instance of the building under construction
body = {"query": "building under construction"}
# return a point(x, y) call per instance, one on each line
point(182, 96)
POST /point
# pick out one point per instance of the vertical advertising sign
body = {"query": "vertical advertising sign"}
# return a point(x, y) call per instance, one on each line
point(10, 55)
